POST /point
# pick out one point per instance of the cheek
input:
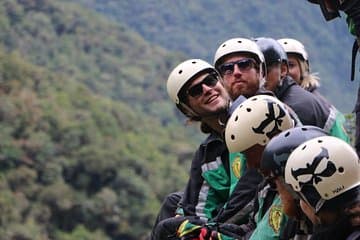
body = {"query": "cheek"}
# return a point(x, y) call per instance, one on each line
point(226, 82)
point(294, 73)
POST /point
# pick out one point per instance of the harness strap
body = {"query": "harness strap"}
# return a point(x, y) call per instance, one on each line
point(355, 49)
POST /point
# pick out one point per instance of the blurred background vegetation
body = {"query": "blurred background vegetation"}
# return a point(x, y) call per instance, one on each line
point(90, 142)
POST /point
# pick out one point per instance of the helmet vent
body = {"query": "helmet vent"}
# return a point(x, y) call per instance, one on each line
point(232, 137)
point(180, 72)
point(341, 169)
point(304, 129)
point(320, 141)
point(236, 118)
point(239, 41)
point(303, 147)
point(248, 109)
point(287, 134)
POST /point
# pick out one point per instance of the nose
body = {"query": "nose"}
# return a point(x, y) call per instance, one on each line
point(237, 70)
point(206, 88)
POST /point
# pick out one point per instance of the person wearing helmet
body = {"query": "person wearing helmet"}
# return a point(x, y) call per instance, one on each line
point(325, 173)
point(310, 109)
point(299, 67)
point(272, 165)
point(331, 9)
point(242, 66)
point(299, 70)
point(248, 130)
point(196, 89)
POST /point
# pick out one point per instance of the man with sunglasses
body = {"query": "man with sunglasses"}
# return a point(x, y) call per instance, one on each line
point(195, 88)
point(242, 66)
point(310, 109)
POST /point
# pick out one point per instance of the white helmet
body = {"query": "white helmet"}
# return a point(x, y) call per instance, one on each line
point(182, 73)
point(238, 45)
point(294, 46)
point(256, 121)
point(321, 169)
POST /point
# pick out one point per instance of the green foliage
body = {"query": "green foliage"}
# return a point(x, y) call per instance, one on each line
point(74, 164)
point(81, 233)
point(196, 28)
point(90, 143)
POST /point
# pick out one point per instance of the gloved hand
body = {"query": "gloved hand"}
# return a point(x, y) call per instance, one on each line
point(228, 231)
point(204, 234)
point(188, 230)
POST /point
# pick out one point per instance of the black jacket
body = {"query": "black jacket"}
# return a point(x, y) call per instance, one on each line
point(310, 109)
point(210, 163)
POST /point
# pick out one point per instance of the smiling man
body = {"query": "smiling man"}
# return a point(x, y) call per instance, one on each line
point(196, 89)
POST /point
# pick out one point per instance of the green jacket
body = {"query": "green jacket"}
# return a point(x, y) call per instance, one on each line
point(271, 221)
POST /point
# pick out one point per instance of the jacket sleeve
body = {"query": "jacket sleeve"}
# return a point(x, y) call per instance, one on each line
point(240, 203)
point(209, 184)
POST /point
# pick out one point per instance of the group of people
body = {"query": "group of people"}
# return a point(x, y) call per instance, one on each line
point(276, 162)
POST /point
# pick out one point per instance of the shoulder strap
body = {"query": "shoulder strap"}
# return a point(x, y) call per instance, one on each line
point(355, 49)
point(354, 236)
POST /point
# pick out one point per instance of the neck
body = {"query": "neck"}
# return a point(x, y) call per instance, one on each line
point(253, 156)
point(216, 122)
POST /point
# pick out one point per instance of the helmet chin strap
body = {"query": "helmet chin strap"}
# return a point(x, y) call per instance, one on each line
point(188, 111)
point(219, 115)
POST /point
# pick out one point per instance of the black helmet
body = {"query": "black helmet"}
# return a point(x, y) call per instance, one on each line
point(328, 13)
point(279, 147)
point(272, 50)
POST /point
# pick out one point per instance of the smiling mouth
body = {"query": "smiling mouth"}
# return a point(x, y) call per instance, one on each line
point(212, 98)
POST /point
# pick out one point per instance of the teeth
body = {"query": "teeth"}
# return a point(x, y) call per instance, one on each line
point(211, 98)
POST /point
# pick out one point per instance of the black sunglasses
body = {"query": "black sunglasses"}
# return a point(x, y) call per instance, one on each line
point(197, 89)
point(243, 64)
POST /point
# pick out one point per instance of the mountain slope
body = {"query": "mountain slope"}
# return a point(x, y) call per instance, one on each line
point(82, 101)
point(196, 28)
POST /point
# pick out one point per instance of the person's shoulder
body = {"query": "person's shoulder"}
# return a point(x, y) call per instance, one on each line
point(212, 139)
point(354, 236)
point(300, 93)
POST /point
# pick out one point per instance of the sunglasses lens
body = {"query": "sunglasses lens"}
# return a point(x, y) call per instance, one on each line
point(243, 65)
point(197, 89)
point(227, 68)
point(210, 80)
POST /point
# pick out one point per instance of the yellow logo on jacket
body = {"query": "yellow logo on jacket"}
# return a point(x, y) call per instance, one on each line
point(236, 166)
point(275, 216)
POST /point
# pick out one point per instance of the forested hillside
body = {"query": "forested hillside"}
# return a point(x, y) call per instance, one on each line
point(90, 142)
point(196, 28)
point(88, 133)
